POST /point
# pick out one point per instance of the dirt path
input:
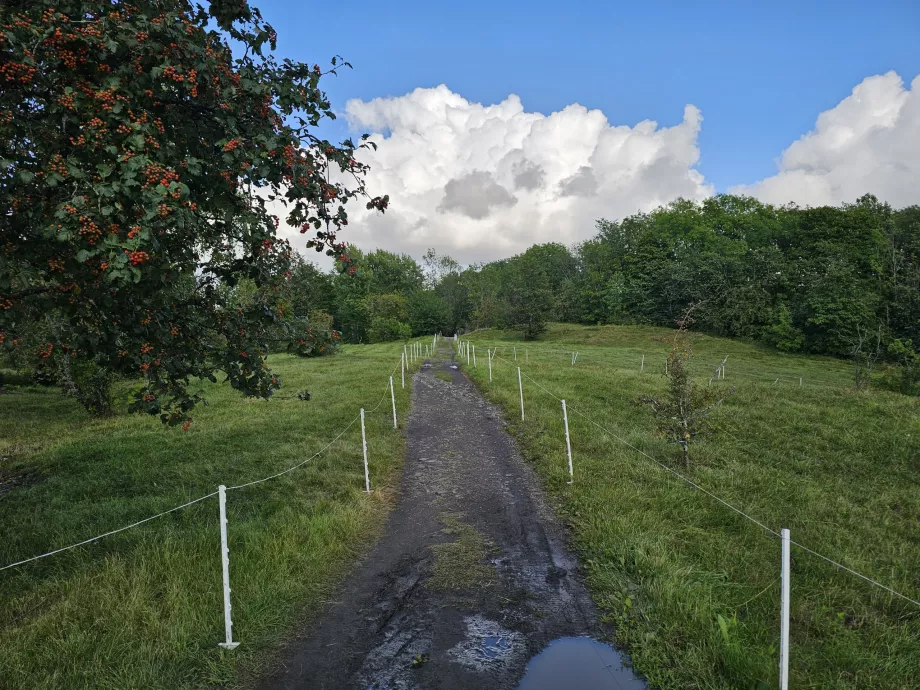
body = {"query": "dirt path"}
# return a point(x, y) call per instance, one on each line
point(470, 578)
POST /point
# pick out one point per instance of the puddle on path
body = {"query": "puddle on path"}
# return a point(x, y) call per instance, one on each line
point(579, 662)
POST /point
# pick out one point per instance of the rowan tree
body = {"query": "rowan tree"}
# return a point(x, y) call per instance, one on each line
point(138, 154)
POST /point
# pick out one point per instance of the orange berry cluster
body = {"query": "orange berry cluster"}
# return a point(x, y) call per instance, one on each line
point(45, 350)
point(89, 230)
point(17, 72)
point(232, 145)
point(137, 257)
point(56, 265)
point(157, 174)
point(57, 165)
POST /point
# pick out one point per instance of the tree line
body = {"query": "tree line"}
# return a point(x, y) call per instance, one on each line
point(841, 281)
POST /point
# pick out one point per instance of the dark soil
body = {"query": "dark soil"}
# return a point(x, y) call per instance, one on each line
point(470, 578)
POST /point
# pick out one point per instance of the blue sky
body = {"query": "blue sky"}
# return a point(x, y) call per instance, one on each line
point(760, 72)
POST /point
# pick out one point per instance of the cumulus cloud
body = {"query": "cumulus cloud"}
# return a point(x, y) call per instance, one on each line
point(481, 182)
point(475, 195)
point(867, 143)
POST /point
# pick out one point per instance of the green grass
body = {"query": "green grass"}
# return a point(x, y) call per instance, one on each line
point(143, 608)
point(461, 564)
point(691, 586)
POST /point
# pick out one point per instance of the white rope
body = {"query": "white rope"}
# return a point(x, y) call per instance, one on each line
point(299, 464)
point(809, 379)
point(108, 534)
point(720, 500)
point(214, 493)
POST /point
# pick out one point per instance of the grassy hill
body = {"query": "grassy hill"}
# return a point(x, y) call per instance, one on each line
point(692, 586)
point(143, 608)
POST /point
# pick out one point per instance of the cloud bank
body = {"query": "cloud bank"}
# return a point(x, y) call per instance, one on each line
point(868, 143)
point(481, 182)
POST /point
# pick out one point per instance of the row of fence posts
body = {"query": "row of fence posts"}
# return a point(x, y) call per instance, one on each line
point(411, 352)
point(464, 346)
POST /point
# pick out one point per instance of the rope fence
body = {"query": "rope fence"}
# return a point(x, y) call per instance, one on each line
point(783, 534)
point(643, 364)
point(412, 352)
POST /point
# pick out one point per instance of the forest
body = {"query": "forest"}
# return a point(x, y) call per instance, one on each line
point(841, 281)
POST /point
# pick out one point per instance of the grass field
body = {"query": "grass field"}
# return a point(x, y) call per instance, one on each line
point(692, 587)
point(143, 608)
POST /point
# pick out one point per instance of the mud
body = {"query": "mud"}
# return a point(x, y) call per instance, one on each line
point(508, 590)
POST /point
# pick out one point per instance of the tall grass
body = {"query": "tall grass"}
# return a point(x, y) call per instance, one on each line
point(143, 608)
point(692, 587)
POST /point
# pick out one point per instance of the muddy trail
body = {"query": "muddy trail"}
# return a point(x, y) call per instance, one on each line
point(471, 577)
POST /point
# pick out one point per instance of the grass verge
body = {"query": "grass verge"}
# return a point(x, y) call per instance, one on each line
point(692, 587)
point(143, 608)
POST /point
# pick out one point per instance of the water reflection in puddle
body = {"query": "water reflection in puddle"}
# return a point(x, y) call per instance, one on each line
point(579, 662)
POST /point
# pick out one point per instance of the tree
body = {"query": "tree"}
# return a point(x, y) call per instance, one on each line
point(138, 155)
point(684, 413)
point(428, 313)
point(528, 297)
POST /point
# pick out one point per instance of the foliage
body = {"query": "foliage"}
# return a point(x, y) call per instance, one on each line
point(132, 143)
point(385, 328)
point(318, 337)
point(904, 375)
point(428, 313)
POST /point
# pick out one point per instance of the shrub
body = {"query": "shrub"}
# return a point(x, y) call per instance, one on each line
point(318, 337)
point(384, 329)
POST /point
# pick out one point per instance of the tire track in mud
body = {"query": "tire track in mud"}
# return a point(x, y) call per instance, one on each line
point(470, 578)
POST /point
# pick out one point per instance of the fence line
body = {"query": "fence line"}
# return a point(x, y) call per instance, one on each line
point(200, 498)
point(809, 379)
point(725, 503)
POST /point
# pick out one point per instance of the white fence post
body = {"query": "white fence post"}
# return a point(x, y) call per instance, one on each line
point(467, 354)
point(402, 366)
point(642, 366)
point(784, 621)
point(393, 398)
point(521, 388)
point(568, 443)
point(515, 353)
point(474, 356)
point(225, 565)
point(489, 353)
point(367, 474)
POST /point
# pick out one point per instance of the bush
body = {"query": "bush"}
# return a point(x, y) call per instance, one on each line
point(781, 334)
point(318, 337)
point(904, 375)
point(384, 329)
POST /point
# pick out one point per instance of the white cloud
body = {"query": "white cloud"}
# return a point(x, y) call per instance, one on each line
point(484, 182)
point(481, 182)
point(867, 143)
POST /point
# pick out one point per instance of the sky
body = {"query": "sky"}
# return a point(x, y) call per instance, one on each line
point(505, 123)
